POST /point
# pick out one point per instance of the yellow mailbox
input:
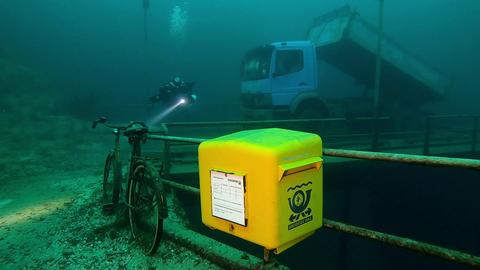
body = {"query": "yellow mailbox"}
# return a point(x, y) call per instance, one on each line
point(264, 185)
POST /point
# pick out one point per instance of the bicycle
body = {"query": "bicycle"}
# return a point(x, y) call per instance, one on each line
point(144, 196)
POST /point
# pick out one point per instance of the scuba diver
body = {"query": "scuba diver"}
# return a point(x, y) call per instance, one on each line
point(175, 91)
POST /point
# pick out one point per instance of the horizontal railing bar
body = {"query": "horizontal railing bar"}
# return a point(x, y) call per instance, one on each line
point(405, 158)
point(387, 137)
point(402, 145)
point(465, 143)
point(176, 139)
point(183, 187)
point(332, 136)
point(407, 243)
point(368, 155)
point(396, 147)
point(214, 123)
point(452, 116)
point(199, 140)
point(417, 246)
point(365, 146)
point(335, 136)
point(253, 122)
point(343, 144)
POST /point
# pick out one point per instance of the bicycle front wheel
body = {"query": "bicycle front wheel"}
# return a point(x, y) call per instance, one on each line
point(145, 201)
point(111, 181)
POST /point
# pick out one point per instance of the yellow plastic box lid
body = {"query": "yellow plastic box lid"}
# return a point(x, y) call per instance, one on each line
point(264, 185)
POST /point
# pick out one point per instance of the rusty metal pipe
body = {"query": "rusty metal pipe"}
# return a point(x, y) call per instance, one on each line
point(407, 243)
point(405, 158)
point(176, 139)
point(182, 187)
point(368, 155)
point(230, 123)
point(222, 255)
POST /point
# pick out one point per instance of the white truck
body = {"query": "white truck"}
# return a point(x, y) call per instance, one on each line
point(282, 79)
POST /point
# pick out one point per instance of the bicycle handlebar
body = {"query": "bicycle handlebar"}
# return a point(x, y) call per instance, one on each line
point(103, 121)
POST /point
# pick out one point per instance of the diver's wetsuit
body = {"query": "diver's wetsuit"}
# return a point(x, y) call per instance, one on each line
point(173, 91)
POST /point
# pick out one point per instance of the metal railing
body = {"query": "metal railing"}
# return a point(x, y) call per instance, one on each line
point(403, 242)
point(417, 246)
point(429, 121)
point(266, 122)
point(375, 138)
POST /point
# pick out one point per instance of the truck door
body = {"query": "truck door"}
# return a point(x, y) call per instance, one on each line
point(294, 71)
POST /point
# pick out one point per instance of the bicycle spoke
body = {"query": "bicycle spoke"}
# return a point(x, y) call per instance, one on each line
point(147, 207)
point(145, 196)
point(146, 200)
point(138, 190)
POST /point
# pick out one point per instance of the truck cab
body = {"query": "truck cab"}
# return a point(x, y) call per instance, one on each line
point(277, 74)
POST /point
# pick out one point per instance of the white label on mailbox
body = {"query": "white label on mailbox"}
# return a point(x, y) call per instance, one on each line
point(227, 196)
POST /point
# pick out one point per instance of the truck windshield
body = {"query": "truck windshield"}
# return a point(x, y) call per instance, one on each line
point(256, 64)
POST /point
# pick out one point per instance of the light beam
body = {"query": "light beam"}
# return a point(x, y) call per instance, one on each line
point(166, 112)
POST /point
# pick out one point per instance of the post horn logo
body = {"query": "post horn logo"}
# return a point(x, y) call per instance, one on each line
point(299, 205)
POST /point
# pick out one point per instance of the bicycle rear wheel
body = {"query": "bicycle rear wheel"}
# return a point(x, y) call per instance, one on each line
point(146, 202)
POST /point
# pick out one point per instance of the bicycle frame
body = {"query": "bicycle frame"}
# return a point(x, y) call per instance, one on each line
point(117, 167)
point(135, 137)
point(135, 155)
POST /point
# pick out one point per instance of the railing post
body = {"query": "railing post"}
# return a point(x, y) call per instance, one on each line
point(375, 134)
point(426, 142)
point(475, 134)
point(166, 156)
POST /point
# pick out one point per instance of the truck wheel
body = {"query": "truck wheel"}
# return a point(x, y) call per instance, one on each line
point(311, 110)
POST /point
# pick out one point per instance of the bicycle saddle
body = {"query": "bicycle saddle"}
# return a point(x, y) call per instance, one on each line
point(136, 129)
